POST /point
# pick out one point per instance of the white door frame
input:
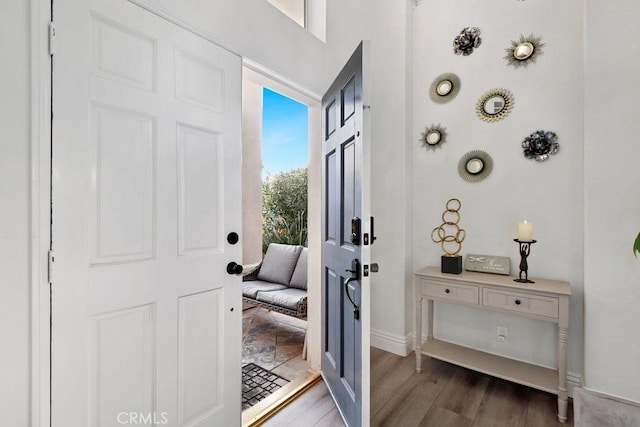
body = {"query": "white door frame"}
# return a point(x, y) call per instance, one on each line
point(264, 76)
point(40, 189)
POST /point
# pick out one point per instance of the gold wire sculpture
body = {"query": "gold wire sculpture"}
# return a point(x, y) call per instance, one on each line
point(449, 234)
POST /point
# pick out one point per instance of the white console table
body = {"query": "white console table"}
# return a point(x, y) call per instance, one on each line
point(545, 299)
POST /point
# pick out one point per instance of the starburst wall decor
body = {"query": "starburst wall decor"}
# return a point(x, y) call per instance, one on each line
point(434, 136)
point(524, 50)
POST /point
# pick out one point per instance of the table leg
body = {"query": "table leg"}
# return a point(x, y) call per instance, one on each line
point(418, 339)
point(563, 398)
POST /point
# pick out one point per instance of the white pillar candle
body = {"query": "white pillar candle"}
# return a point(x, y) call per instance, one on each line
point(525, 231)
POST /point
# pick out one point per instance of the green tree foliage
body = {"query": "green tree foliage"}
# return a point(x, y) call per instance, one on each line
point(284, 208)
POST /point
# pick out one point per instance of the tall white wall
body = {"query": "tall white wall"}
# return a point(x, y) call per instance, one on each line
point(391, 173)
point(548, 95)
point(251, 171)
point(258, 31)
point(15, 214)
point(612, 203)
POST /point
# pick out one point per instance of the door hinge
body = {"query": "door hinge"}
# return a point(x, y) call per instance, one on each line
point(50, 266)
point(52, 39)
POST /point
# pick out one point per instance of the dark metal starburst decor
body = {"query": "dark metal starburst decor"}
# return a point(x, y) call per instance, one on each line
point(466, 41)
point(433, 136)
point(540, 145)
point(523, 51)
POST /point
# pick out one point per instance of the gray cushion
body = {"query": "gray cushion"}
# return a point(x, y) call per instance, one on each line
point(299, 277)
point(289, 298)
point(278, 263)
point(251, 288)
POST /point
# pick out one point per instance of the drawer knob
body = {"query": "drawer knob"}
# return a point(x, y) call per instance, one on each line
point(517, 302)
point(447, 290)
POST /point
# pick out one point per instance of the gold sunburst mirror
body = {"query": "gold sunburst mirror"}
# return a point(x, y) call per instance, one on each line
point(433, 136)
point(494, 105)
point(524, 50)
point(444, 88)
point(475, 166)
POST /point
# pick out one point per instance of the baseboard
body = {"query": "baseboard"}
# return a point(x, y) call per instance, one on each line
point(574, 381)
point(396, 344)
point(612, 397)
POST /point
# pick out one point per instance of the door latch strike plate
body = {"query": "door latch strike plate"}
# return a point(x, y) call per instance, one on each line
point(50, 266)
point(365, 270)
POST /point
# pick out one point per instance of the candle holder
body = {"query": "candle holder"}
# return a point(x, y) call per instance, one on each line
point(525, 249)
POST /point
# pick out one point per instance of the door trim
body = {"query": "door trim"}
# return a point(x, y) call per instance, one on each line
point(40, 189)
point(265, 76)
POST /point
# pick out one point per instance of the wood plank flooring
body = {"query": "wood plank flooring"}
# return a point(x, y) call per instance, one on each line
point(442, 395)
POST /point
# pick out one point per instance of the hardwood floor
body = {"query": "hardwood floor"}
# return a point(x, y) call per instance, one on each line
point(442, 395)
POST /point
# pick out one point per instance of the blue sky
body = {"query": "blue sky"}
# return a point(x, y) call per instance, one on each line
point(284, 133)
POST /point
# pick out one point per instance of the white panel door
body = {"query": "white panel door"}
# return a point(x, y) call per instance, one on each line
point(146, 187)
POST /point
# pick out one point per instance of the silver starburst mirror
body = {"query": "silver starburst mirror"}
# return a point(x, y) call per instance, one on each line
point(444, 88)
point(524, 50)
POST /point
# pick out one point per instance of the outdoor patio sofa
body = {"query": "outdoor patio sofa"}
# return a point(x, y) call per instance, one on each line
point(279, 282)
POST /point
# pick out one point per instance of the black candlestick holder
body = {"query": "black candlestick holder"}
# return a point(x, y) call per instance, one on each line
point(525, 249)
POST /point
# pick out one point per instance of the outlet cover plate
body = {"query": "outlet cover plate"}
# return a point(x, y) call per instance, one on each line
point(502, 333)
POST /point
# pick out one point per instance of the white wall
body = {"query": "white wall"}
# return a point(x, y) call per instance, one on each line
point(251, 170)
point(258, 31)
point(612, 204)
point(548, 95)
point(15, 214)
point(391, 174)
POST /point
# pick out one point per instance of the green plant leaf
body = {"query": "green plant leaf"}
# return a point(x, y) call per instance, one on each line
point(636, 246)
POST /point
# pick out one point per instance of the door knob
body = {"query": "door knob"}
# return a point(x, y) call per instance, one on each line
point(234, 268)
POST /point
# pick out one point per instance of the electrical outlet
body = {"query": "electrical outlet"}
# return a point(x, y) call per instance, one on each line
point(502, 333)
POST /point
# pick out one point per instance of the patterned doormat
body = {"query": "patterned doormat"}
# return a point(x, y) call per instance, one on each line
point(258, 383)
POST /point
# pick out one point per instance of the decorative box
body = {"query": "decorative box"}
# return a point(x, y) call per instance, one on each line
point(488, 264)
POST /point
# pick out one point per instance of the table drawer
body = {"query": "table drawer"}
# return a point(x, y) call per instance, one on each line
point(460, 293)
point(520, 302)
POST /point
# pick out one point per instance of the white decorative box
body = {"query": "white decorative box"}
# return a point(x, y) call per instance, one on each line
point(488, 264)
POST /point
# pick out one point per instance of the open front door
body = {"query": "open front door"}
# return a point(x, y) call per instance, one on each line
point(146, 323)
point(346, 240)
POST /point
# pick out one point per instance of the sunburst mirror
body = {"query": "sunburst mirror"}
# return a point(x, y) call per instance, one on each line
point(475, 166)
point(524, 50)
point(434, 136)
point(444, 88)
point(494, 105)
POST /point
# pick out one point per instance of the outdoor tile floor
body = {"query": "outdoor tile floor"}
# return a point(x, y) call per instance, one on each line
point(273, 341)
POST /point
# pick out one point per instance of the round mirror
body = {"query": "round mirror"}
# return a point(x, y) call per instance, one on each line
point(523, 51)
point(444, 87)
point(494, 104)
point(474, 166)
point(433, 137)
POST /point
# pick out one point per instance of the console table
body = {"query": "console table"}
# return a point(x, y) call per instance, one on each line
point(545, 299)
